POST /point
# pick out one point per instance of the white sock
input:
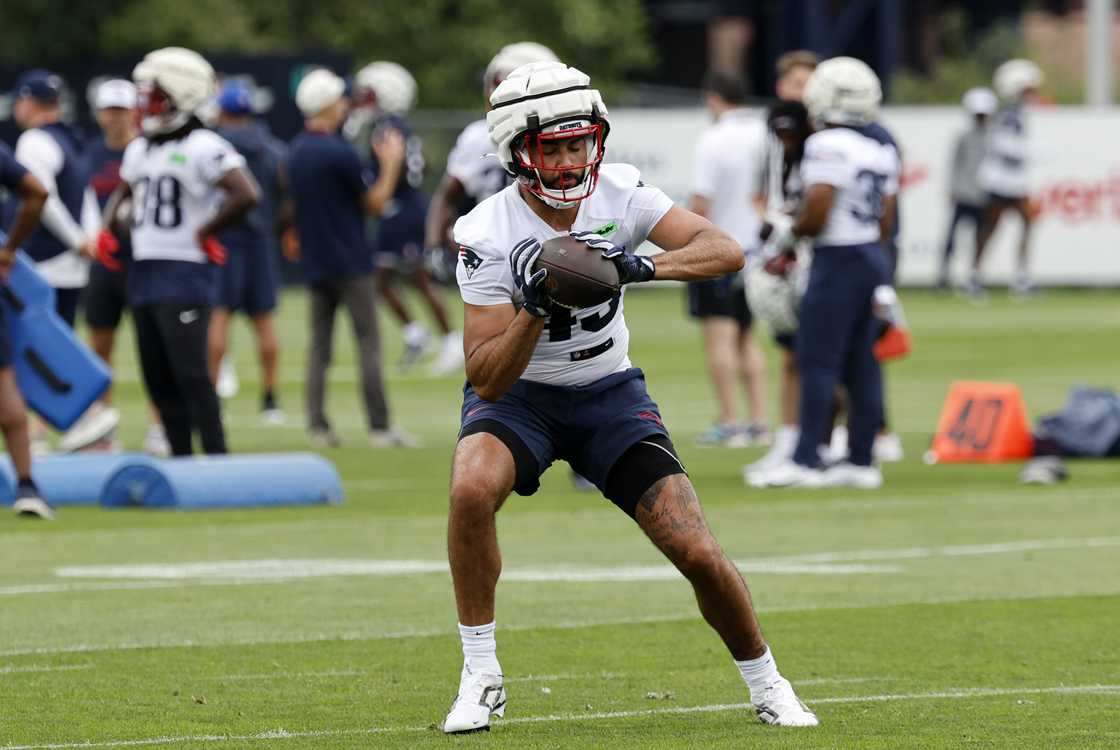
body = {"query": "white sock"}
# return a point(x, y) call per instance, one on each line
point(414, 334)
point(759, 673)
point(480, 650)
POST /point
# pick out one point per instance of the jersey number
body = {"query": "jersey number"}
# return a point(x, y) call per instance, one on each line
point(561, 321)
point(158, 202)
point(871, 186)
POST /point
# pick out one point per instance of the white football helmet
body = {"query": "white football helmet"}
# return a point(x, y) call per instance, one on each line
point(843, 91)
point(1015, 77)
point(980, 101)
point(513, 56)
point(545, 102)
point(774, 299)
point(392, 87)
point(173, 83)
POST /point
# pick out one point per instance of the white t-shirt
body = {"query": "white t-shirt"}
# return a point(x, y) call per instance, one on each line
point(474, 162)
point(622, 209)
point(728, 161)
point(174, 192)
point(862, 170)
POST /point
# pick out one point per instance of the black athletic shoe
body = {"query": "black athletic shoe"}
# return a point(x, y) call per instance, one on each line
point(30, 505)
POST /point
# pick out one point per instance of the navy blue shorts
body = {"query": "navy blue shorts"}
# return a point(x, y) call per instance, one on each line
point(720, 298)
point(250, 278)
point(400, 240)
point(588, 426)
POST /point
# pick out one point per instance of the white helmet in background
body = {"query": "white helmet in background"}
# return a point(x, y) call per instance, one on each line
point(318, 90)
point(173, 84)
point(774, 299)
point(843, 91)
point(393, 87)
point(980, 101)
point(513, 56)
point(542, 102)
point(1015, 77)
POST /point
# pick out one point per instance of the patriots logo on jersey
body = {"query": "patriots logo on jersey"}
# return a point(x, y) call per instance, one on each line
point(471, 260)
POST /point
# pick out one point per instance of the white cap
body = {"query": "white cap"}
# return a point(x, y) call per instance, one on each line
point(980, 101)
point(115, 92)
point(318, 90)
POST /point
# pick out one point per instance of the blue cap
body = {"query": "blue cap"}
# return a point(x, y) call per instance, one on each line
point(236, 99)
point(40, 84)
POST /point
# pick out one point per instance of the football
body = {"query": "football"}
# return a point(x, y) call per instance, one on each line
point(578, 276)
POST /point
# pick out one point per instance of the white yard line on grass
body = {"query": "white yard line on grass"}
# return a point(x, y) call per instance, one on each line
point(281, 676)
point(280, 734)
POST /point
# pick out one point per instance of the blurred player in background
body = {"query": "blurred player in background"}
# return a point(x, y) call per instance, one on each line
point(63, 243)
point(106, 297)
point(187, 184)
point(388, 91)
point(32, 196)
point(250, 278)
point(779, 195)
point(728, 159)
point(968, 197)
point(331, 198)
point(473, 171)
point(547, 382)
point(850, 180)
point(1004, 171)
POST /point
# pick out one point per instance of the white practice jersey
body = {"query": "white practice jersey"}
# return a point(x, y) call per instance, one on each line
point(863, 171)
point(577, 347)
point(1004, 168)
point(174, 192)
point(729, 158)
point(473, 161)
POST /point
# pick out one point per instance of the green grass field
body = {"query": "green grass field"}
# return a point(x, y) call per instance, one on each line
point(953, 608)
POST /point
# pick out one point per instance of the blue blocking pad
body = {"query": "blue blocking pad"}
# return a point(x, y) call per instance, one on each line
point(57, 374)
point(72, 479)
point(215, 482)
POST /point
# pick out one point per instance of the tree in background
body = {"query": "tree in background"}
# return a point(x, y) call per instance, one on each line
point(445, 43)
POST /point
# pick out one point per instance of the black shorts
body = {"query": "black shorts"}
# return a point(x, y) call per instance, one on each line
point(720, 298)
point(106, 297)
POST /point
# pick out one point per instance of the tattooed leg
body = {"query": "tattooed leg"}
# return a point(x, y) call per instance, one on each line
point(670, 515)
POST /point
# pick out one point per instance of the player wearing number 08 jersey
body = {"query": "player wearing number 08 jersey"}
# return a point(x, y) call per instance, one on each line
point(548, 383)
point(850, 181)
point(186, 184)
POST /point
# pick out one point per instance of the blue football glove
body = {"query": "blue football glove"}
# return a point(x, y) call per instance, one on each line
point(530, 284)
point(631, 268)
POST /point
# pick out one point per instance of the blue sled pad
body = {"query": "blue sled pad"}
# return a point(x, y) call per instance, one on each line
point(73, 479)
point(214, 482)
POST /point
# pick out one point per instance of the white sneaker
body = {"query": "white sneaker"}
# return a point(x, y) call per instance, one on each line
point(155, 441)
point(786, 474)
point(29, 504)
point(95, 425)
point(450, 359)
point(837, 445)
point(394, 437)
point(845, 474)
point(887, 449)
point(781, 450)
point(228, 383)
point(481, 696)
point(781, 707)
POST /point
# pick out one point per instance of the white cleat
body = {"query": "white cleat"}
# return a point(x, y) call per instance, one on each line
point(155, 441)
point(786, 474)
point(781, 707)
point(887, 449)
point(781, 450)
point(95, 425)
point(450, 359)
point(481, 697)
point(845, 474)
point(228, 383)
point(394, 437)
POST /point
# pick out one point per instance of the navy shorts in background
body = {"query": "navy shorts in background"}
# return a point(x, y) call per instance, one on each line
point(249, 279)
point(588, 426)
point(720, 298)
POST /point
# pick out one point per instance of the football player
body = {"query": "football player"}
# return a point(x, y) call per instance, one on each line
point(186, 183)
point(250, 278)
point(32, 194)
point(389, 91)
point(546, 382)
point(106, 297)
point(473, 172)
point(850, 181)
point(1003, 173)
